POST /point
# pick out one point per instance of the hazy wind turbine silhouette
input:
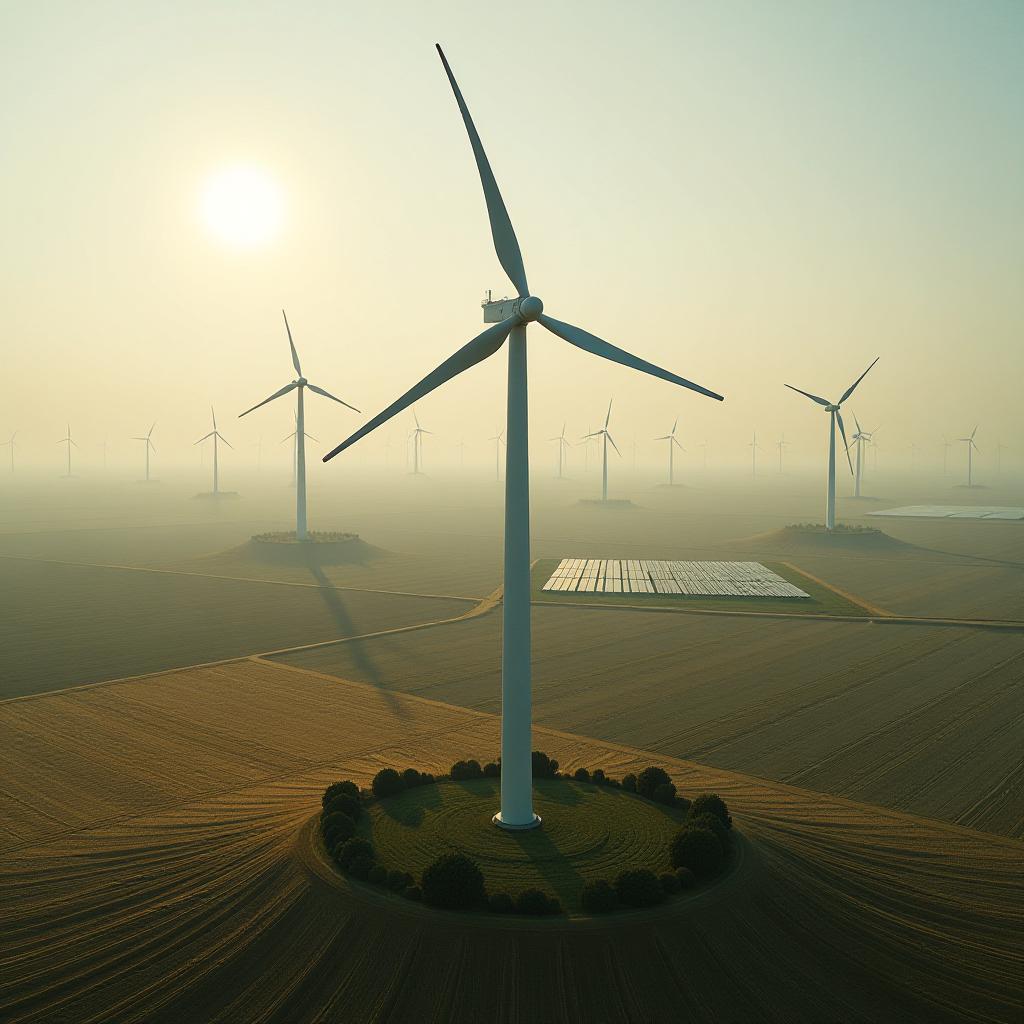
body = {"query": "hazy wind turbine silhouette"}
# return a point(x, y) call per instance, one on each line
point(417, 445)
point(217, 436)
point(294, 438)
point(562, 445)
point(971, 449)
point(834, 415)
point(754, 449)
point(67, 440)
point(11, 443)
point(148, 446)
point(606, 437)
point(299, 385)
point(673, 444)
point(946, 445)
point(780, 444)
point(860, 438)
point(516, 766)
point(499, 440)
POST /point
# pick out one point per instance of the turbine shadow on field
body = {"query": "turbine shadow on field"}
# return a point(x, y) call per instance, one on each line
point(411, 815)
point(549, 861)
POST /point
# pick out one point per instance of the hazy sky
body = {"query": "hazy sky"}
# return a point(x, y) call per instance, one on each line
point(746, 193)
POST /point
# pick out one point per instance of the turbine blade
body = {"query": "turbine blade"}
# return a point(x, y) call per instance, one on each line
point(287, 438)
point(311, 437)
point(214, 415)
point(202, 439)
point(842, 430)
point(226, 441)
point(327, 394)
point(595, 346)
point(974, 431)
point(614, 445)
point(849, 391)
point(276, 394)
point(295, 355)
point(856, 423)
point(608, 416)
point(482, 346)
point(150, 443)
point(674, 425)
point(506, 246)
point(152, 428)
point(678, 445)
point(667, 437)
point(807, 394)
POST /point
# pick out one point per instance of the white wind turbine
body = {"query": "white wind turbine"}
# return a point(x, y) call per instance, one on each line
point(670, 437)
point(516, 767)
point(971, 449)
point(606, 437)
point(563, 444)
point(781, 444)
point(499, 440)
point(754, 449)
point(149, 446)
point(11, 443)
point(860, 438)
point(67, 440)
point(834, 415)
point(217, 437)
point(299, 385)
point(417, 445)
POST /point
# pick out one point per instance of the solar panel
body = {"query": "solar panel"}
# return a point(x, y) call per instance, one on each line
point(953, 512)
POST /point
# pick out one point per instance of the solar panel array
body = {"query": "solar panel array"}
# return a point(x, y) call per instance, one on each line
point(639, 576)
point(953, 512)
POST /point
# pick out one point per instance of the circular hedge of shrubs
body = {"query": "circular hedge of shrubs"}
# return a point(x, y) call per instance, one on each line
point(454, 880)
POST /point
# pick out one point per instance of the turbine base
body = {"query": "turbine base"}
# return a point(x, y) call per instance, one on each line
point(509, 827)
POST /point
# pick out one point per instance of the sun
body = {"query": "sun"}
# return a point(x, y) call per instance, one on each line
point(242, 205)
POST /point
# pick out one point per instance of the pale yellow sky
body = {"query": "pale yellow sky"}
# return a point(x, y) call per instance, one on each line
point(746, 193)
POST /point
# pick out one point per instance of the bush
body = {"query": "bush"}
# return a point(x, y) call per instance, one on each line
point(412, 892)
point(499, 903)
point(686, 878)
point(697, 849)
point(492, 770)
point(629, 783)
point(543, 766)
point(378, 875)
point(536, 903)
point(361, 867)
point(387, 782)
point(665, 794)
point(598, 777)
point(464, 770)
point(351, 850)
point(454, 881)
point(711, 803)
point(411, 778)
point(650, 779)
point(712, 823)
point(639, 888)
point(337, 827)
point(346, 787)
point(346, 804)
point(581, 775)
point(399, 881)
point(598, 897)
point(669, 882)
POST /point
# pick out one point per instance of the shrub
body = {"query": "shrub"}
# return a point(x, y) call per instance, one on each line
point(581, 775)
point(669, 882)
point(399, 881)
point(378, 875)
point(682, 803)
point(629, 783)
point(537, 903)
point(665, 794)
point(639, 888)
point(387, 782)
point(412, 892)
point(686, 878)
point(347, 787)
point(345, 803)
point(711, 803)
point(697, 849)
point(650, 779)
point(361, 867)
point(711, 822)
point(411, 777)
point(544, 767)
point(454, 881)
point(598, 777)
point(351, 850)
point(463, 770)
point(337, 827)
point(492, 770)
point(426, 779)
point(499, 903)
point(598, 897)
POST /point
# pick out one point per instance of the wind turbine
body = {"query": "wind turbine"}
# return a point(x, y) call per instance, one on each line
point(516, 764)
point(673, 444)
point(562, 445)
point(860, 438)
point(217, 436)
point(780, 444)
point(417, 444)
point(148, 444)
point(499, 440)
point(294, 438)
point(971, 449)
point(754, 449)
point(606, 437)
point(67, 440)
point(299, 385)
point(946, 445)
point(11, 443)
point(834, 415)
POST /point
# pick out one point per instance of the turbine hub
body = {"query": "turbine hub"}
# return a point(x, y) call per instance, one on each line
point(302, 381)
point(832, 408)
point(530, 308)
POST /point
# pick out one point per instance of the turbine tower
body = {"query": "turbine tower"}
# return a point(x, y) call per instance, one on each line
point(217, 436)
point(861, 438)
point(673, 444)
point(971, 449)
point(834, 415)
point(515, 315)
point(11, 443)
point(294, 438)
point(562, 445)
point(499, 440)
point(149, 446)
point(781, 444)
point(606, 437)
point(417, 444)
point(754, 449)
point(299, 385)
point(67, 440)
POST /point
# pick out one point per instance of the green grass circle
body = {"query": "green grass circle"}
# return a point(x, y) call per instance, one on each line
point(589, 832)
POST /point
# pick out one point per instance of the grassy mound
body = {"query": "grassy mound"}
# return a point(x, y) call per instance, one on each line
point(589, 832)
point(814, 537)
point(329, 548)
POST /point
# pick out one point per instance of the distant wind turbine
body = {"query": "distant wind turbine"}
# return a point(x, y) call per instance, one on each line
point(563, 444)
point(606, 438)
point(516, 763)
point(860, 438)
point(971, 449)
point(946, 445)
point(11, 443)
point(294, 438)
point(67, 440)
point(754, 449)
point(499, 440)
point(417, 445)
point(149, 446)
point(834, 416)
point(217, 437)
point(673, 444)
point(781, 444)
point(299, 385)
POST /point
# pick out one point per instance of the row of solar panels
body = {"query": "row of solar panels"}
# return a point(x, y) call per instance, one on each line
point(954, 512)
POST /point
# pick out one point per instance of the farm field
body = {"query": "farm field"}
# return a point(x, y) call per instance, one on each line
point(193, 792)
point(921, 719)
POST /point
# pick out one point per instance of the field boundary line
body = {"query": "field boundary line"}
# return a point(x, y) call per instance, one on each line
point(871, 609)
